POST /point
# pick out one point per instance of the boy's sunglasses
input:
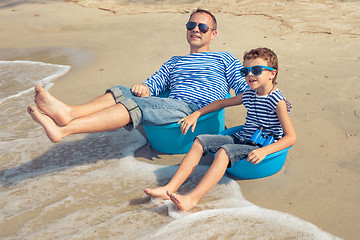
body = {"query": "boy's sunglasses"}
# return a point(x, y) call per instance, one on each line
point(202, 26)
point(256, 70)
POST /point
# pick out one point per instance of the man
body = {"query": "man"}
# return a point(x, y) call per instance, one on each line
point(194, 81)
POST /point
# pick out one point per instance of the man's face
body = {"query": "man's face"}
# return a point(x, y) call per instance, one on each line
point(199, 41)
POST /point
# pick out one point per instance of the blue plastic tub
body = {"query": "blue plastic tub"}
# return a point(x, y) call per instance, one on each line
point(271, 164)
point(169, 139)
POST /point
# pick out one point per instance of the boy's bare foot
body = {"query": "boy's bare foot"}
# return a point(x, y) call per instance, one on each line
point(54, 108)
point(159, 192)
point(53, 131)
point(184, 203)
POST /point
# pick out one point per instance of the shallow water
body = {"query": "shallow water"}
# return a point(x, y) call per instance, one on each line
point(91, 186)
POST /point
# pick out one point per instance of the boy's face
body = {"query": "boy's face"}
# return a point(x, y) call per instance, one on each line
point(263, 82)
point(199, 41)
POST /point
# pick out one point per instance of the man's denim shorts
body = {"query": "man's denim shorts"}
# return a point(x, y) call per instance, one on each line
point(151, 111)
point(235, 148)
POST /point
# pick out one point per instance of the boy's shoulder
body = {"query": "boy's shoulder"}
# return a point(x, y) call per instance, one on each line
point(250, 91)
point(277, 96)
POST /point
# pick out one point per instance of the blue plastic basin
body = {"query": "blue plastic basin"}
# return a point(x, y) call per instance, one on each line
point(270, 165)
point(169, 139)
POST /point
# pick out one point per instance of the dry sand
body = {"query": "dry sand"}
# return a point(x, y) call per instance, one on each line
point(319, 50)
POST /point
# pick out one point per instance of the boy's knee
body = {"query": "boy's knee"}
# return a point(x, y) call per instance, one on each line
point(222, 153)
point(197, 143)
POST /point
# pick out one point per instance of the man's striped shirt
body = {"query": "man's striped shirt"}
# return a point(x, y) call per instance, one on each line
point(199, 78)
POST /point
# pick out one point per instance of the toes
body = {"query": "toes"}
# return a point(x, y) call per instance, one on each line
point(173, 197)
point(38, 89)
point(30, 109)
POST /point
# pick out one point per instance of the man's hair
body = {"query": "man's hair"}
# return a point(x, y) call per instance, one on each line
point(265, 54)
point(199, 10)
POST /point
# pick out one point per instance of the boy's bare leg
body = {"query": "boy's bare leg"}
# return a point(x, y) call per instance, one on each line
point(63, 113)
point(211, 177)
point(186, 168)
point(108, 119)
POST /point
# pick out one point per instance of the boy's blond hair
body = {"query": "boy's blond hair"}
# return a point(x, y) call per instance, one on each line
point(267, 55)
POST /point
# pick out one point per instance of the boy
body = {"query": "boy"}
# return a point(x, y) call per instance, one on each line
point(266, 107)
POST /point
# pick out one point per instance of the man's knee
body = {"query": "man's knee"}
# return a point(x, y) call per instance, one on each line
point(109, 96)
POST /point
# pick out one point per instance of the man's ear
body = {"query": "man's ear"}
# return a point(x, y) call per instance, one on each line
point(213, 34)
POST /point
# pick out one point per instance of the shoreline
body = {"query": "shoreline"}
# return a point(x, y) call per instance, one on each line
point(319, 181)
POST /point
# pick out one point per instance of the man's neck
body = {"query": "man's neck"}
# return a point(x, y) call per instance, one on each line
point(199, 50)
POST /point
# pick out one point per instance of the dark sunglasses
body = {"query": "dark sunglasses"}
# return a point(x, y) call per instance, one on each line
point(202, 27)
point(256, 70)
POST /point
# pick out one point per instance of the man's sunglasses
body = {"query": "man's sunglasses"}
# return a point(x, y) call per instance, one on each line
point(202, 26)
point(256, 70)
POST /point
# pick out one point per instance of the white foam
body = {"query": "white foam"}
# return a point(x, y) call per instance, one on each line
point(91, 187)
point(68, 195)
point(29, 73)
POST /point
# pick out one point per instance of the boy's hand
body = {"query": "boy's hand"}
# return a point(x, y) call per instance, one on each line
point(256, 156)
point(140, 90)
point(189, 121)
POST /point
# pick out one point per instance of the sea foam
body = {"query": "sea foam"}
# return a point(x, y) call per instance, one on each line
point(19, 77)
point(90, 186)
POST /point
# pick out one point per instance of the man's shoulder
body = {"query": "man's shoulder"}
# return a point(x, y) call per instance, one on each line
point(226, 54)
point(172, 61)
point(226, 57)
point(175, 58)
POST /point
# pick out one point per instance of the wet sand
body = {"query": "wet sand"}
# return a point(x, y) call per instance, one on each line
point(317, 44)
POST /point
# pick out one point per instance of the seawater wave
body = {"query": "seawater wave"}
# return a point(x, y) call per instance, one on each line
point(17, 81)
point(19, 77)
point(90, 186)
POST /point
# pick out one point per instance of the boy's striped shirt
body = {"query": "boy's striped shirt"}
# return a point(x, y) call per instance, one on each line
point(261, 112)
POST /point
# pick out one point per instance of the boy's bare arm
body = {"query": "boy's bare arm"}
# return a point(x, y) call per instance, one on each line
point(191, 120)
point(288, 140)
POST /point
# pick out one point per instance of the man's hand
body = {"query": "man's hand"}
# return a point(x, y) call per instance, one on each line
point(140, 90)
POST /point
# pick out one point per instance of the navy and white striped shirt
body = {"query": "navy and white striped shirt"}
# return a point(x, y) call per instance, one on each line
point(199, 78)
point(261, 112)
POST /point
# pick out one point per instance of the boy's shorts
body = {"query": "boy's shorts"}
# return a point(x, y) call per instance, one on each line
point(151, 111)
point(236, 149)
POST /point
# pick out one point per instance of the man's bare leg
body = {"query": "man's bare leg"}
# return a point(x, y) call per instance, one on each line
point(63, 113)
point(186, 168)
point(108, 119)
point(211, 177)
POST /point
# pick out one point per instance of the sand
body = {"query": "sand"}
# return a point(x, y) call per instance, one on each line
point(318, 47)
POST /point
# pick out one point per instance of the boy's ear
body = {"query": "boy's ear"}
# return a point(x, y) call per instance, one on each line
point(273, 74)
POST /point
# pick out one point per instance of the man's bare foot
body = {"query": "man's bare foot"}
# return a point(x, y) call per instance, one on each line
point(53, 130)
point(54, 108)
point(159, 192)
point(184, 203)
